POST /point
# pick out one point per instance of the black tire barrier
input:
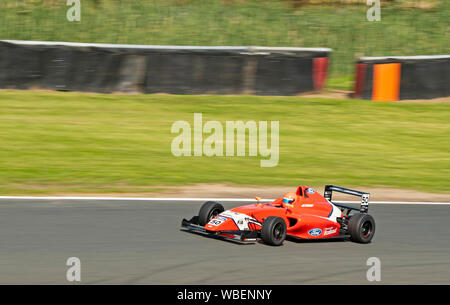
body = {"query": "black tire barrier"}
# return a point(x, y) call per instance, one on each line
point(402, 78)
point(108, 68)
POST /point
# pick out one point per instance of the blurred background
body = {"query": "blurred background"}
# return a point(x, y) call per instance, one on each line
point(72, 142)
point(406, 27)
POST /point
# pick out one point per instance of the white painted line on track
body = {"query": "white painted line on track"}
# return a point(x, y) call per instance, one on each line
point(132, 198)
point(397, 202)
point(203, 199)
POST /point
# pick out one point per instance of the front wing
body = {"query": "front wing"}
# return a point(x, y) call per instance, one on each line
point(241, 237)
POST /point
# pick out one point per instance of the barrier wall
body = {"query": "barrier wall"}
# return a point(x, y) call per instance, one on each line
point(400, 78)
point(109, 68)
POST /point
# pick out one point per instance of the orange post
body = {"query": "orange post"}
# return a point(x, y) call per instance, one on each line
point(386, 82)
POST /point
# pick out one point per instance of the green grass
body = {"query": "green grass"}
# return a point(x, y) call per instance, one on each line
point(341, 83)
point(55, 142)
point(344, 28)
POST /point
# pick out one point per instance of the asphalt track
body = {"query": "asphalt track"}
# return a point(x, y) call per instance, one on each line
point(139, 242)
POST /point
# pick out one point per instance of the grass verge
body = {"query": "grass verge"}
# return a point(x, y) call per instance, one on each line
point(55, 142)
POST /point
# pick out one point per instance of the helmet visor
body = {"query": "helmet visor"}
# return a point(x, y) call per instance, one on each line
point(288, 200)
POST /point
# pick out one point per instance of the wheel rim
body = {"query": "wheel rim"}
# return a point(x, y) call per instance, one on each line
point(214, 213)
point(278, 231)
point(366, 229)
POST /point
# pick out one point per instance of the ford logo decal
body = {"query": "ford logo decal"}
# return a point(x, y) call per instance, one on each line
point(315, 232)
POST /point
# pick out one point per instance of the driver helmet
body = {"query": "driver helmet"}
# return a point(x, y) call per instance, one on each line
point(289, 198)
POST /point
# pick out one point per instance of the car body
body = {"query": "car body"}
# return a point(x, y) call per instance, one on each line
point(310, 216)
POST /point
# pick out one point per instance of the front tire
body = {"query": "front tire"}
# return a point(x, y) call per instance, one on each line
point(208, 211)
point(361, 228)
point(273, 231)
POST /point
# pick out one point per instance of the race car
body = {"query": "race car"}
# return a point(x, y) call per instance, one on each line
point(303, 214)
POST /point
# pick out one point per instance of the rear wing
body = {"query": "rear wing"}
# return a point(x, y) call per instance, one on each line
point(364, 197)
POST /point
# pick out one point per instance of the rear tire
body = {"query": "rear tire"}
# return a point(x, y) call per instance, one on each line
point(208, 211)
point(273, 231)
point(361, 228)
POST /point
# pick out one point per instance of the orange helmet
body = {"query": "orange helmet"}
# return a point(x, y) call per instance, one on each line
point(289, 198)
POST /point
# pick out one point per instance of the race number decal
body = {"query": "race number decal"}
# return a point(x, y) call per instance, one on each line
point(365, 199)
point(216, 221)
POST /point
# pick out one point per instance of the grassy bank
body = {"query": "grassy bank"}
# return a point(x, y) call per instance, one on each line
point(402, 30)
point(89, 143)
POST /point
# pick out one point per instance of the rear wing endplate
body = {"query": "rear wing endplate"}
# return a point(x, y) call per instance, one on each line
point(364, 197)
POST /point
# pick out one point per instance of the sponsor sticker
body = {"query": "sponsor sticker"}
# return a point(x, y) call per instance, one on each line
point(315, 232)
point(330, 230)
point(307, 205)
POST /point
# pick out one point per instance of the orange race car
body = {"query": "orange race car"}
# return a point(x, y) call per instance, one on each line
point(304, 214)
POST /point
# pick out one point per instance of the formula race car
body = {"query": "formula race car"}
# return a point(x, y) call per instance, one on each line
point(304, 214)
